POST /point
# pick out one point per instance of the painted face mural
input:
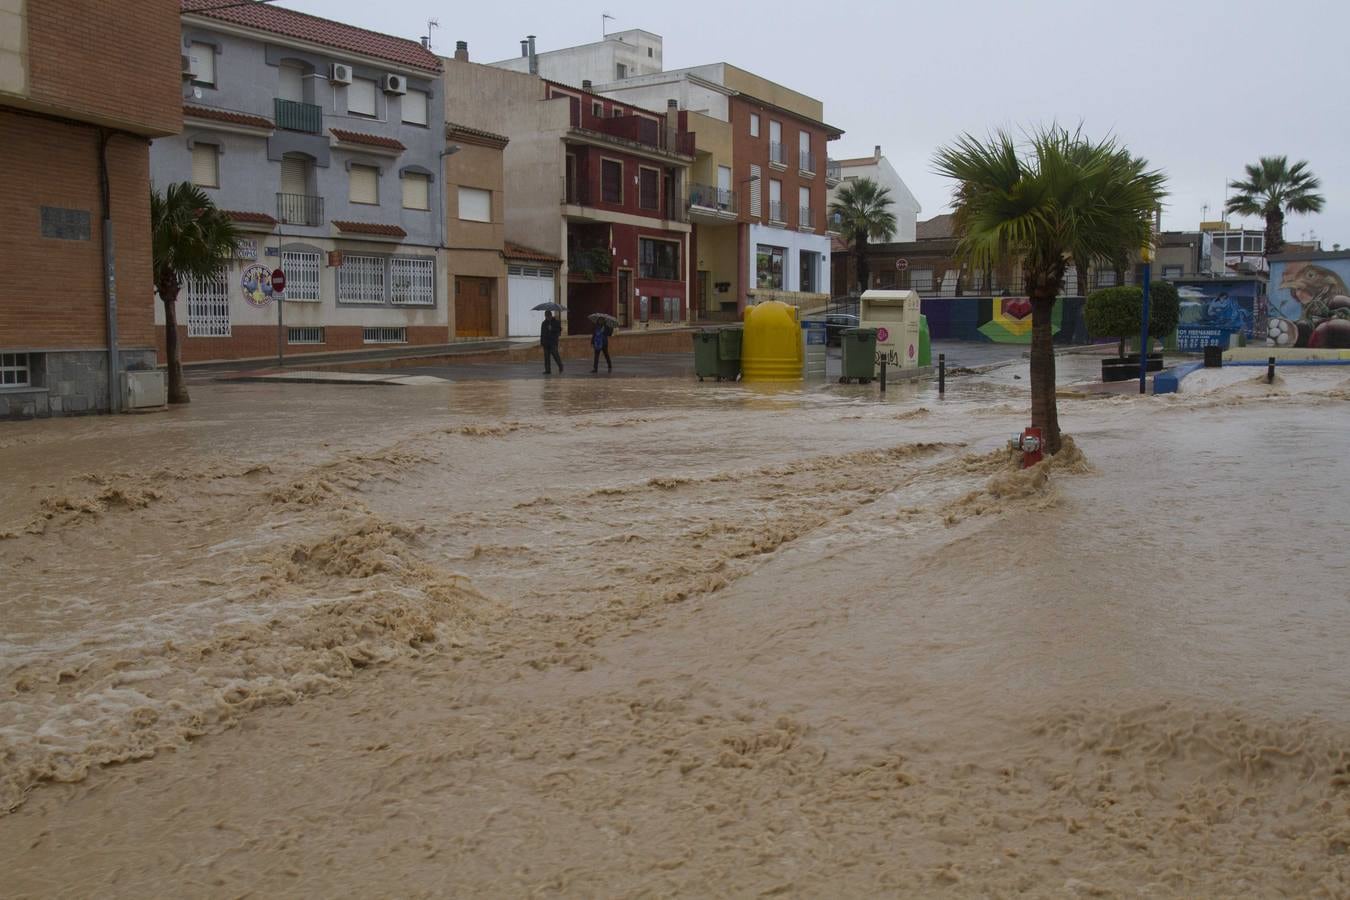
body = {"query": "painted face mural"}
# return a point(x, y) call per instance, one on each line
point(1310, 304)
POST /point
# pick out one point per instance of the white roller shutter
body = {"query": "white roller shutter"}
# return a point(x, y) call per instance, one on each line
point(292, 84)
point(206, 165)
point(416, 194)
point(361, 97)
point(527, 287)
point(365, 184)
point(294, 175)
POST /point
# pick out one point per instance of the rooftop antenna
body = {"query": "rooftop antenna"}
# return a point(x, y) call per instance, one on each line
point(431, 23)
point(604, 17)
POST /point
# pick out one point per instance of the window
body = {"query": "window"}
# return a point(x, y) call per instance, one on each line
point(809, 266)
point(1107, 278)
point(412, 281)
point(611, 181)
point(1171, 272)
point(597, 109)
point(616, 111)
point(649, 188)
point(291, 82)
point(769, 266)
point(361, 279)
point(14, 370)
point(649, 52)
point(208, 307)
point(804, 207)
point(776, 152)
point(364, 185)
point(755, 182)
point(776, 213)
point(475, 204)
point(416, 191)
point(294, 174)
point(206, 165)
point(302, 269)
point(754, 124)
point(805, 161)
point(620, 70)
point(203, 64)
point(415, 107)
point(305, 334)
point(384, 335)
point(361, 97)
point(921, 280)
point(660, 259)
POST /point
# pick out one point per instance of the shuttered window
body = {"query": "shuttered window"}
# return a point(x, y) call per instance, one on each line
point(416, 191)
point(294, 175)
point(364, 184)
point(203, 64)
point(475, 204)
point(291, 84)
point(361, 279)
point(415, 107)
point(208, 307)
point(755, 181)
point(649, 188)
point(302, 269)
point(412, 281)
point(206, 165)
point(611, 181)
point(361, 97)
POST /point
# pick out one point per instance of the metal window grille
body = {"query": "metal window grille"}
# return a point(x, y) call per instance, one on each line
point(14, 370)
point(361, 279)
point(208, 307)
point(412, 281)
point(302, 269)
point(385, 335)
point(305, 334)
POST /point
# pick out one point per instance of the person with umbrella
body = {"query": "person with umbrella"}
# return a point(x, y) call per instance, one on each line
point(604, 327)
point(550, 332)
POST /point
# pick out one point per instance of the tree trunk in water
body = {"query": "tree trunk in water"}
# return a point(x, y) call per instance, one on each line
point(1274, 232)
point(1044, 413)
point(178, 392)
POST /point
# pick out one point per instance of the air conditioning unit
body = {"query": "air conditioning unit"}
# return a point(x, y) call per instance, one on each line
point(189, 71)
point(144, 389)
point(394, 84)
point(338, 73)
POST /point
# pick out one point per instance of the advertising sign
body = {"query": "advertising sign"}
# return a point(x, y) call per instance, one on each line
point(256, 282)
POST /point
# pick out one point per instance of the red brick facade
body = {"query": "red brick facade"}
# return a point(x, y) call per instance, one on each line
point(748, 150)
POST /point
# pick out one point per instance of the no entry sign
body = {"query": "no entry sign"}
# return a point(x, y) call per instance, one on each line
point(901, 264)
point(278, 282)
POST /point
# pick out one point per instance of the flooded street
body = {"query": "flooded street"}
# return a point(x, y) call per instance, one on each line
point(649, 637)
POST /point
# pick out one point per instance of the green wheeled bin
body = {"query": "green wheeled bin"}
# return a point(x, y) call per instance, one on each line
point(729, 352)
point(860, 354)
point(925, 344)
point(705, 353)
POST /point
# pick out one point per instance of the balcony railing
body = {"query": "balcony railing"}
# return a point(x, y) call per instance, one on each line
point(833, 171)
point(641, 130)
point(804, 219)
point(705, 196)
point(299, 209)
point(776, 212)
point(294, 116)
point(806, 161)
point(777, 153)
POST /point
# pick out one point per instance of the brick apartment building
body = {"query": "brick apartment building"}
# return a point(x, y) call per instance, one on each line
point(75, 195)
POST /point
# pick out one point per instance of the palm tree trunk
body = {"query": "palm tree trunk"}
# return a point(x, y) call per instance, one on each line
point(1044, 413)
point(860, 248)
point(1274, 232)
point(178, 392)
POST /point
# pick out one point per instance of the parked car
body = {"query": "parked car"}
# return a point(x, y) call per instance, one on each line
point(835, 324)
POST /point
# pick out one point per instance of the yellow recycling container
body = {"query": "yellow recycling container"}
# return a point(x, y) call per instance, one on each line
point(771, 349)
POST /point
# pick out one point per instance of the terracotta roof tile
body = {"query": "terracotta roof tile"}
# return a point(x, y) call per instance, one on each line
point(226, 115)
point(302, 26)
point(360, 137)
point(935, 229)
point(456, 128)
point(519, 251)
point(253, 218)
point(370, 228)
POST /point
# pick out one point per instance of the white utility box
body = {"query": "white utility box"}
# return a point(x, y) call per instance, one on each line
point(895, 316)
point(144, 389)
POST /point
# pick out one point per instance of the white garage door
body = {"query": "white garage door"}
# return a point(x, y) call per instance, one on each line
point(527, 287)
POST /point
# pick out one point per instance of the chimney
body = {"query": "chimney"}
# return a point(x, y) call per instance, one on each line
point(586, 86)
point(524, 49)
point(426, 42)
point(876, 152)
point(462, 51)
point(534, 60)
point(673, 114)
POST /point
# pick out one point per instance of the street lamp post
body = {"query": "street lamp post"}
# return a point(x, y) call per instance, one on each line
point(1143, 318)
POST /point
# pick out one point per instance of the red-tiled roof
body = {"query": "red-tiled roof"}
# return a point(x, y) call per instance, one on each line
point(519, 251)
point(370, 228)
point(252, 218)
point(289, 23)
point(360, 137)
point(936, 228)
point(454, 128)
point(226, 115)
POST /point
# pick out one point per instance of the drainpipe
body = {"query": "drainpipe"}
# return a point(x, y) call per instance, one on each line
point(109, 273)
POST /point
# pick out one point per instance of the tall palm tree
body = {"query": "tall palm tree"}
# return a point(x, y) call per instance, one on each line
point(1058, 198)
point(1273, 188)
point(191, 238)
point(863, 210)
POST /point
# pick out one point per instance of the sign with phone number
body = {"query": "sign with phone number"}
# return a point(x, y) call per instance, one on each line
point(1193, 340)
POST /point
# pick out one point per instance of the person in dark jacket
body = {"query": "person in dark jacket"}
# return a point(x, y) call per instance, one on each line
point(549, 333)
point(600, 344)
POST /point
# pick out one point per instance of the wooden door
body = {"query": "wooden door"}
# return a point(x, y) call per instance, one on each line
point(473, 306)
point(625, 296)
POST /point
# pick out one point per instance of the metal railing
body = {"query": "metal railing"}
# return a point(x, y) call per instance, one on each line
point(777, 153)
point(640, 130)
point(776, 212)
point(299, 209)
point(806, 161)
point(833, 171)
point(294, 116)
point(804, 219)
point(705, 196)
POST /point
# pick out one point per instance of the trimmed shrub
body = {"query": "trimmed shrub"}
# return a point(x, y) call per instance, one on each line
point(1115, 311)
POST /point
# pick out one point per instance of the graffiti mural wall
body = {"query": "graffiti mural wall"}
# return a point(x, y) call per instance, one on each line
point(1213, 309)
point(1310, 302)
point(1000, 320)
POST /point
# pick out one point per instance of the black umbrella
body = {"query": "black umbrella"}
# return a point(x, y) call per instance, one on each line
point(605, 317)
point(551, 307)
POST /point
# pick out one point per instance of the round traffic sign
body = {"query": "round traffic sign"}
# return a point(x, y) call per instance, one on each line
point(278, 282)
point(901, 264)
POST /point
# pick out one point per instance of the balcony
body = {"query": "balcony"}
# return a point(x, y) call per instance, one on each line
point(294, 116)
point(710, 202)
point(777, 213)
point(777, 154)
point(804, 220)
point(834, 173)
point(645, 132)
point(299, 209)
point(806, 162)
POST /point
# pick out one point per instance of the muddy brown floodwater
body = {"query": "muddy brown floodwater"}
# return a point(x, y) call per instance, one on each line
point(655, 638)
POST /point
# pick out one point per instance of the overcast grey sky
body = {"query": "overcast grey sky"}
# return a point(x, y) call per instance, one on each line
point(1198, 88)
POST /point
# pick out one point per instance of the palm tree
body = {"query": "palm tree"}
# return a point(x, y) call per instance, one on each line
point(1059, 198)
point(863, 210)
point(191, 238)
point(1273, 188)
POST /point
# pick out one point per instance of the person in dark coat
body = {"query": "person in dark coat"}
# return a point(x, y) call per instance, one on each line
point(549, 334)
point(600, 344)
